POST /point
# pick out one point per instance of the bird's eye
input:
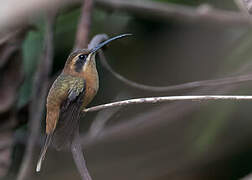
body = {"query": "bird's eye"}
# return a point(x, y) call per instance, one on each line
point(82, 57)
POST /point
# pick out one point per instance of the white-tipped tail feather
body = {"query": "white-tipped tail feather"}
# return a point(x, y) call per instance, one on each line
point(39, 165)
point(43, 152)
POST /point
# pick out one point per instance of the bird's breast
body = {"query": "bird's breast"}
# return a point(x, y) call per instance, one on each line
point(92, 86)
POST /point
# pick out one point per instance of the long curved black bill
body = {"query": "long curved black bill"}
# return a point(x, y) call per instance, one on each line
point(108, 41)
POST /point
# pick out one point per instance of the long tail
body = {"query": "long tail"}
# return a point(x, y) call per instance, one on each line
point(43, 151)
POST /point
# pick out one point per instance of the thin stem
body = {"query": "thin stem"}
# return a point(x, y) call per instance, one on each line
point(81, 42)
point(79, 158)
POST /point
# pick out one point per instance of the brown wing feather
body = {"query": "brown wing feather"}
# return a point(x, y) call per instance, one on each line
point(69, 112)
point(64, 88)
point(68, 124)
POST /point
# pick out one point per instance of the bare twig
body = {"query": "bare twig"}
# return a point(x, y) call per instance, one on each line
point(152, 100)
point(40, 88)
point(84, 25)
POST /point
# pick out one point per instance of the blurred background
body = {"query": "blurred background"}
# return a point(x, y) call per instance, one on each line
point(179, 140)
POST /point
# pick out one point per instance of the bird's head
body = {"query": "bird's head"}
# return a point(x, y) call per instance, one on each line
point(81, 60)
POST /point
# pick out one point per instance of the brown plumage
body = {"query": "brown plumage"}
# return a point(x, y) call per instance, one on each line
point(70, 84)
point(70, 93)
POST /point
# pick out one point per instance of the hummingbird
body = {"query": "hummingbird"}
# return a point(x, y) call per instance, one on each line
point(70, 93)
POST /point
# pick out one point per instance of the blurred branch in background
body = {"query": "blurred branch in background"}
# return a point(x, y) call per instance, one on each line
point(10, 48)
point(244, 5)
point(39, 92)
point(168, 11)
point(184, 86)
point(12, 14)
point(249, 177)
point(11, 76)
point(84, 26)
